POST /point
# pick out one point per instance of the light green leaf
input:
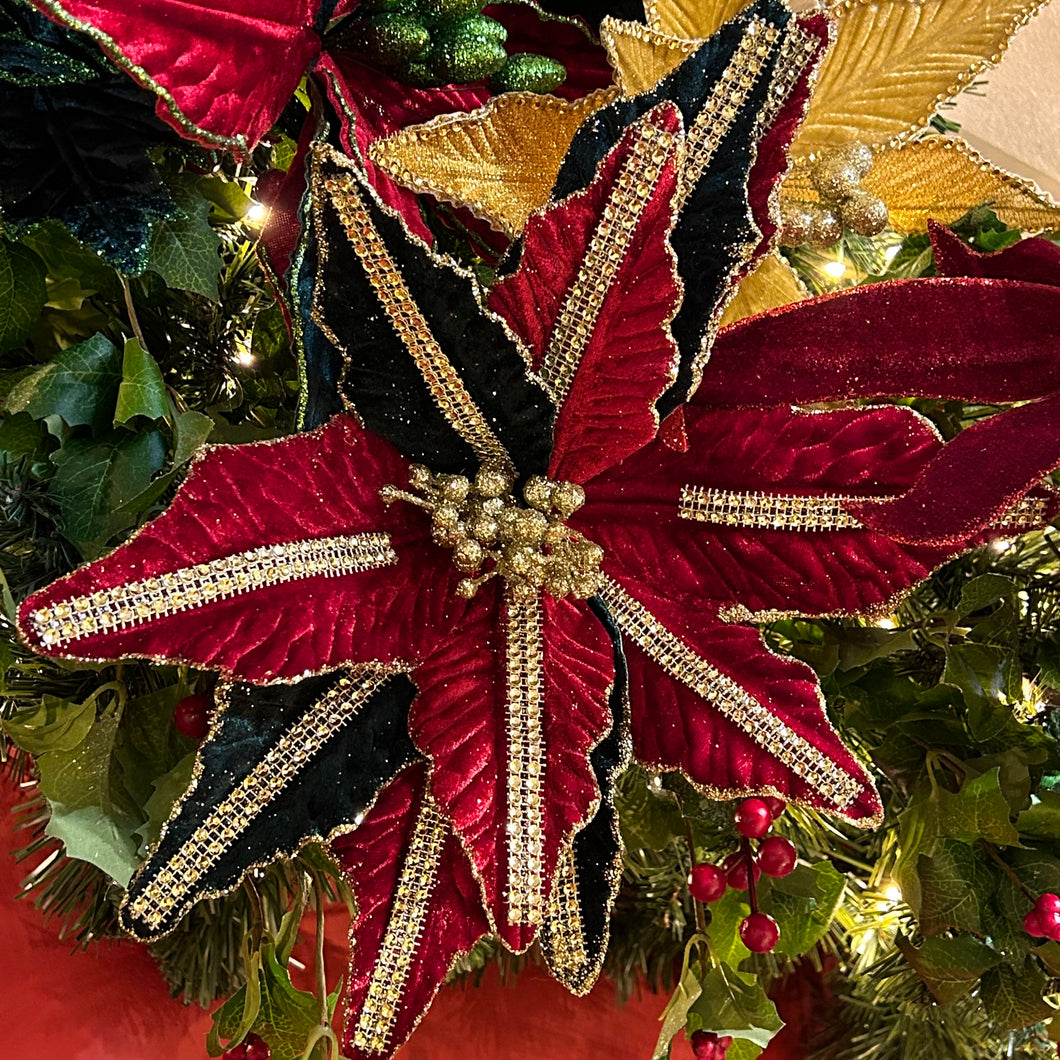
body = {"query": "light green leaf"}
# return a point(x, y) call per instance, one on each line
point(950, 966)
point(726, 914)
point(675, 1015)
point(184, 247)
point(989, 678)
point(803, 904)
point(1013, 997)
point(95, 479)
point(985, 591)
point(142, 391)
point(55, 725)
point(1042, 819)
point(956, 882)
point(168, 789)
point(93, 836)
point(190, 431)
point(978, 811)
point(22, 293)
point(80, 384)
point(730, 1004)
point(64, 256)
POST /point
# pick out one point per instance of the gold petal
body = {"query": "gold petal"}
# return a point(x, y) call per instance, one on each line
point(640, 56)
point(944, 178)
point(896, 60)
point(772, 284)
point(499, 161)
point(691, 18)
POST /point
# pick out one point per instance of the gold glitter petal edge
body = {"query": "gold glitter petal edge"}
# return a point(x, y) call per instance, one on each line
point(691, 18)
point(895, 60)
point(221, 705)
point(640, 56)
point(499, 161)
point(773, 283)
point(943, 178)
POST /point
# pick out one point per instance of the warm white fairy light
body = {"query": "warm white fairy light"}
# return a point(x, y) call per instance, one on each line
point(836, 270)
point(256, 214)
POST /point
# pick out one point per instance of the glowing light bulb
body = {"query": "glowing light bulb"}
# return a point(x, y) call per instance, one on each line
point(892, 252)
point(256, 214)
point(893, 893)
point(836, 269)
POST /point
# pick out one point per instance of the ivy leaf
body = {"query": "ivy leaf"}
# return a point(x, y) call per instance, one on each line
point(985, 591)
point(648, 821)
point(731, 1004)
point(1013, 997)
point(22, 293)
point(55, 725)
point(142, 391)
point(80, 384)
point(860, 646)
point(675, 1015)
point(1042, 819)
point(956, 882)
point(950, 967)
point(190, 431)
point(65, 257)
point(978, 811)
point(168, 788)
point(726, 914)
point(803, 904)
point(77, 785)
point(184, 247)
point(96, 478)
point(989, 678)
point(24, 438)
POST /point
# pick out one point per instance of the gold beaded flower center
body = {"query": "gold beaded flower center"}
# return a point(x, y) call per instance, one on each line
point(492, 531)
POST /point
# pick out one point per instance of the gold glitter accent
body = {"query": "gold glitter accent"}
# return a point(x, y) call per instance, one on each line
point(567, 955)
point(134, 603)
point(797, 49)
point(526, 759)
point(691, 18)
point(726, 98)
point(625, 205)
point(641, 57)
point(443, 381)
point(730, 699)
point(811, 512)
point(402, 937)
point(284, 761)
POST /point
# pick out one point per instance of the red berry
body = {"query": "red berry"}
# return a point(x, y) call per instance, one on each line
point(1033, 926)
point(706, 1045)
point(192, 717)
point(753, 818)
point(776, 806)
point(777, 856)
point(237, 1052)
point(759, 932)
point(257, 1048)
point(735, 866)
point(1047, 903)
point(706, 883)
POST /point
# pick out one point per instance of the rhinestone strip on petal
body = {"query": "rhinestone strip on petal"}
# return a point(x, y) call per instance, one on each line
point(526, 758)
point(443, 381)
point(284, 761)
point(796, 50)
point(812, 513)
point(402, 937)
point(134, 603)
point(574, 326)
point(726, 98)
point(729, 698)
point(567, 954)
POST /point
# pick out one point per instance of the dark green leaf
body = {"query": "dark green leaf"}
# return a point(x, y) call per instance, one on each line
point(803, 905)
point(23, 438)
point(955, 883)
point(1042, 820)
point(79, 384)
point(168, 789)
point(22, 293)
point(190, 431)
point(731, 1004)
point(950, 966)
point(989, 678)
point(648, 821)
point(66, 258)
point(861, 645)
point(985, 591)
point(978, 811)
point(1013, 998)
point(142, 391)
point(184, 248)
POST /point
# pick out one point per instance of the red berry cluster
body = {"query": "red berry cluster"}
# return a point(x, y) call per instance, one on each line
point(252, 1047)
point(742, 869)
point(1043, 921)
point(706, 1045)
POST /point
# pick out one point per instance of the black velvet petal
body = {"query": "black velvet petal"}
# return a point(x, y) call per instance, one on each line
point(337, 784)
point(713, 225)
point(381, 379)
point(598, 846)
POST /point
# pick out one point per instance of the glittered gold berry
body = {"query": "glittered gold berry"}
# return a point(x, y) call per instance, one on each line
point(835, 179)
point(538, 493)
point(865, 214)
point(454, 488)
point(826, 229)
point(419, 477)
point(492, 481)
point(468, 555)
point(529, 527)
point(567, 498)
point(857, 155)
point(795, 224)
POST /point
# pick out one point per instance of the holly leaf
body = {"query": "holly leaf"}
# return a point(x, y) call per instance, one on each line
point(80, 384)
point(142, 391)
point(55, 725)
point(95, 478)
point(803, 904)
point(184, 247)
point(675, 1015)
point(168, 788)
point(950, 967)
point(731, 1004)
point(22, 293)
point(190, 431)
point(1013, 997)
point(77, 785)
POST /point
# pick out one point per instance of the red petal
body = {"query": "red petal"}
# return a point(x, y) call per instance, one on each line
point(236, 498)
point(460, 719)
point(282, 193)
point(629, 358)
point(675, 727)
point(983, 340)
point(632, 510)
point(1030, 260)
point(221, 75)
point(976, 478)
point(452, 920)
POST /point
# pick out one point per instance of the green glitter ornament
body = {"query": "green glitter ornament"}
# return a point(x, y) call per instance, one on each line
point(434, 12)
point(392, 38)
point(527, 72)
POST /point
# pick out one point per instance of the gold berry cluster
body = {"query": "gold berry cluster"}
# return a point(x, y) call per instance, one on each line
point(844, 203)
point(523, 540)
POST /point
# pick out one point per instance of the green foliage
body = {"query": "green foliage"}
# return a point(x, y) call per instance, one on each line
point(184, 247)
point(22, 293)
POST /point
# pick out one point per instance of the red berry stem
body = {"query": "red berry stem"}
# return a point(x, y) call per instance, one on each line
point(1007, 869)
point(749, 860)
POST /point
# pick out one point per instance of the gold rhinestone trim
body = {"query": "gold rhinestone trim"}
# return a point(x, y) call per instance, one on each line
point(729, 698)
point(402, 937)
point(812, 513)
point(526, 758)
point(567, 943)
point(622, 212)
point(135, 603)
point(726, 98)
point(234, 814)
point(443, 381)
point(796, 50)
